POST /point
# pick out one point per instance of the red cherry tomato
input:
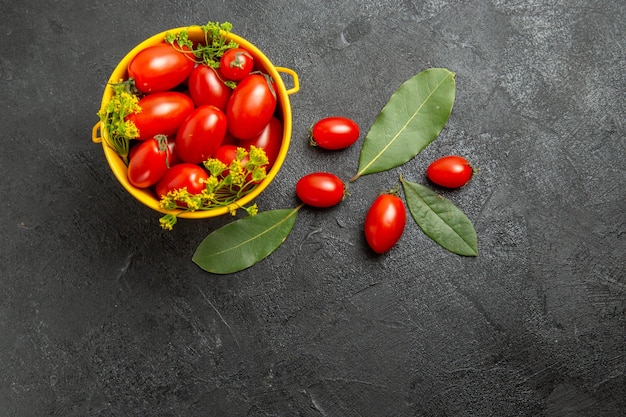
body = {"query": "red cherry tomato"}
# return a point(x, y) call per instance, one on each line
point(159, 67)
point(251, 106)
point(161, 113)
point(205, 87)
point(236, 63)
point(149, 162)
point(450, 171)
point(174, 158)
point(320, 189)
point(269, 140)
point(171, 144)
point(200, 134)
point(334, 133)
point(384, 222)
point(183, 175)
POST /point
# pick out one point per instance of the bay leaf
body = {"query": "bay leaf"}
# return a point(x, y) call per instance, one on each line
point(412, 118)
point(440, 219)
point(245, 242)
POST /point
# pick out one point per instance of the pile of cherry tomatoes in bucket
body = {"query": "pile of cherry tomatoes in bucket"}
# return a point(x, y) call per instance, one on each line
point(185, 103)
point(386, 217)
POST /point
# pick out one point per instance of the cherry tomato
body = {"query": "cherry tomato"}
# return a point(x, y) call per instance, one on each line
point(171, 144)
point(183, 175)
point(334, 133)
point(161, 113)
point(174, 158)
point(320, 189)
point(450, 171)
point(206, 87)
point(200, 134)
point(384, 222)
point(236, 63)
point(227, 153)
point(149, 162)
point(251, 106)
point(269, 140)
point(159, 67)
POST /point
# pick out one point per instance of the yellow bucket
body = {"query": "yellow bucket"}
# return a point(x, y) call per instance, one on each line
point(196, 33)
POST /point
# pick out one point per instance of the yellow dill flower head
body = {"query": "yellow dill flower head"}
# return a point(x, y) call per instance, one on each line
point(259, 174)
point(241, 153)
point(131, 129)
point(252, 210)
point(193, 202)
point(167, 203)
point(258, 157)
point(207, 196)
point(211, 183)
point(179, 195)
point(237, 173)
point(167, 222)
point(215, 166)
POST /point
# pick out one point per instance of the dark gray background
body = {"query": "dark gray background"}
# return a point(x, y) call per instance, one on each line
point(104, 314)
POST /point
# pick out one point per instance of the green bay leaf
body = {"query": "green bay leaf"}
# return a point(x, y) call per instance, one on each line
point(440, 219)
point(412, 118)
point(244, 242)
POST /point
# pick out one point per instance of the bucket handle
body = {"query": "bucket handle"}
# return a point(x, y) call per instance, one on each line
point(294, 76)
point(95, 133)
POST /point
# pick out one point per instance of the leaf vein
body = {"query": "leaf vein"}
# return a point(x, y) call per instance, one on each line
point(257, 236)
point(401, 130)
point(418, 196)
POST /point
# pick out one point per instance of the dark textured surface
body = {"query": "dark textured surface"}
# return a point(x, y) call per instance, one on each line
point(104, 314)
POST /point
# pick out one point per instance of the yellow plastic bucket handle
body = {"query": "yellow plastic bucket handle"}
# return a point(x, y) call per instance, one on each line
point(294, 76)
point(95, 133)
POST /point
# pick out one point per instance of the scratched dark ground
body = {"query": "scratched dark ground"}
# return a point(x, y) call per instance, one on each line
point(104, 314)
